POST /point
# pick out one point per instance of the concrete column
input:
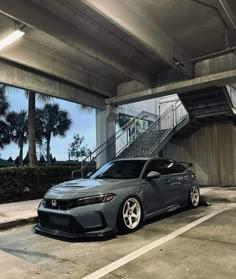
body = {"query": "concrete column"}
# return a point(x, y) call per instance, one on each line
point(105, 130)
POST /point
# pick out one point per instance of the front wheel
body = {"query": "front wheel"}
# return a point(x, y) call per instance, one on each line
point(130, 215)
point(194, 196)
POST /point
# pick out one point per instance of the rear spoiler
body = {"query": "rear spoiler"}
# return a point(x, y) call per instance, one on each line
point(190, 165)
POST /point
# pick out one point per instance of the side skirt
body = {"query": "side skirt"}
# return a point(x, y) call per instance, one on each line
point(162, 211)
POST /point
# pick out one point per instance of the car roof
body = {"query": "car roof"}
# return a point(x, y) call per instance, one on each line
point(142, 159)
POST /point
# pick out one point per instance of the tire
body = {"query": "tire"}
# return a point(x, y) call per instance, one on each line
point(194, 196)
point(130, 215)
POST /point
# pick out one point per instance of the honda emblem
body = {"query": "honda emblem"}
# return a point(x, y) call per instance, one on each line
point(54, 203)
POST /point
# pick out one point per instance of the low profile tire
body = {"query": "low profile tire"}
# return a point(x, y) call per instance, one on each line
point(194, 197)
point(129, 215)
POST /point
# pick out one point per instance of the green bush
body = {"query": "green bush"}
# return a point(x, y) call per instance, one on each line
point(25, 183)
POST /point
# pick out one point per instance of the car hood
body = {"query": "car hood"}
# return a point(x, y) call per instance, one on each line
point(84, 187)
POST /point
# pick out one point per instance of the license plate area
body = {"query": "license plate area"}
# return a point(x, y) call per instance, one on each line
point(59, 222)
point(63, 222)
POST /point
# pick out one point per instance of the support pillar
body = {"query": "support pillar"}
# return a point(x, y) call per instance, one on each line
point(105, 129)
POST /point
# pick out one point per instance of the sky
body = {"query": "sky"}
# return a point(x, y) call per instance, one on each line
point(83, 123)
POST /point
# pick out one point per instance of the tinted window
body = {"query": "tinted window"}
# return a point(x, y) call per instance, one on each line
point(176, 168)
point(164, 167)
point(120, 170)
point(159, 165)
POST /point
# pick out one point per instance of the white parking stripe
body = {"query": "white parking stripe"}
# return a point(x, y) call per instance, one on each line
point(132, 256)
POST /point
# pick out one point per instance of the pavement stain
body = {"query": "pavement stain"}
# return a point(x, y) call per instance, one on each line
point(25, 254)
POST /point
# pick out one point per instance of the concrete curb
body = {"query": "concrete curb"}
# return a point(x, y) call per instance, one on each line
point(19, 222)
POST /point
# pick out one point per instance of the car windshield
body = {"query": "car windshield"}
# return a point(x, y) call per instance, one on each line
point(120, 170)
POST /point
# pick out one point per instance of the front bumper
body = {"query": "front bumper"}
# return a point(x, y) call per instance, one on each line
point(92, 234)
point(98, 220)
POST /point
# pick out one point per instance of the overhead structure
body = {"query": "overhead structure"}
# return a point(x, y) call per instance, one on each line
point(83, 51)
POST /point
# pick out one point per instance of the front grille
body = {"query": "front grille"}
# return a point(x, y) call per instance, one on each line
point(59, 222)
point(60, 204)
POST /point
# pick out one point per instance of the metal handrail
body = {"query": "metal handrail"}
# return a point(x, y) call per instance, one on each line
point(154, 124)
point(131, 121)
point(167, 132)
point(174, 124)
point(151, 126)
point(108, 143)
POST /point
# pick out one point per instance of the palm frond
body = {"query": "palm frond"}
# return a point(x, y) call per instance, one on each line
point(44, 98)
point(41, 97)
point(85, 108)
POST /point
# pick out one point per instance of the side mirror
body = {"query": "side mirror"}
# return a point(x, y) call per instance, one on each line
point(153, 175)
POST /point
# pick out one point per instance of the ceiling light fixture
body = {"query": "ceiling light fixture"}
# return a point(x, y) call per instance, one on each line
point(14, 36)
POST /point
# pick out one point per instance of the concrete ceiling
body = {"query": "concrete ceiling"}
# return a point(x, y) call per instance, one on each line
point(95, 45)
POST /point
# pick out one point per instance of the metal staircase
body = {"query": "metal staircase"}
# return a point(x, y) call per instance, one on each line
point(158, 134)
point(124, 137)
point(192, 111)
point(207, 106)
point(210, 102)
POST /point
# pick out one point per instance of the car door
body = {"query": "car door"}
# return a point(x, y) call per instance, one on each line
point(176, 184)
point(154, 189)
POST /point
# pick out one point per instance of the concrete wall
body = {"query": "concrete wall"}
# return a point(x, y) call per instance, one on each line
point(212, 150)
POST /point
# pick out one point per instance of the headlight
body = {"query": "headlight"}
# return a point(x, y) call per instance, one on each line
point(95, 199)
point(41, 203)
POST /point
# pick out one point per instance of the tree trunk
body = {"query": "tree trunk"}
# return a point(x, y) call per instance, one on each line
point(31, 129)
point(21, 155)
point(48, 151)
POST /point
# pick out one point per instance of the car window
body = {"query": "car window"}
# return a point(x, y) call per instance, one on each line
point(158, 165)
point(120, 170)
point(176, 168)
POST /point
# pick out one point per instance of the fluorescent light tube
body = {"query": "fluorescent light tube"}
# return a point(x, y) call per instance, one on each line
point(11, 38)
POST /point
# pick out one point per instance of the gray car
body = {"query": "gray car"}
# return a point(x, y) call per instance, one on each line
point(119, 196)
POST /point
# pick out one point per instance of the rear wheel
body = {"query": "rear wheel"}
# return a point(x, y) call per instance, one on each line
point(194, 196)
point(130, 215)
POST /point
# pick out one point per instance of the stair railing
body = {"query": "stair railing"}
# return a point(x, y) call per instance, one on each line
point(156, 125)
point(177, 113)
point(124, 136)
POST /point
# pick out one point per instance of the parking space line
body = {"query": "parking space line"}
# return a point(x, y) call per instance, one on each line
point(132, 256)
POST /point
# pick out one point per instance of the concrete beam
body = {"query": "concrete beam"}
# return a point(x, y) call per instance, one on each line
point(156, 41)
point(218, 79)
point(24, 78)
point(41, 59)
point(229, 7)
point(216, 65)
point(78, 37)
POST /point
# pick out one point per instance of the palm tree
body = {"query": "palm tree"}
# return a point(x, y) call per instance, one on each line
point(4, 129)
point(32, 133)
point(18, 123)
point(53, 122)
point(4, 105)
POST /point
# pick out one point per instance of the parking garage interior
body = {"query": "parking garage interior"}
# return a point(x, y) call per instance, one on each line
point(170, 67)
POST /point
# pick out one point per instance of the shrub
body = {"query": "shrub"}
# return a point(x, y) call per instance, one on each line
point(25, 183)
